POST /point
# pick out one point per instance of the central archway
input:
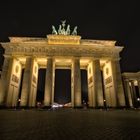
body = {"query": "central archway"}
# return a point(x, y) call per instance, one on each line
point(62, 89)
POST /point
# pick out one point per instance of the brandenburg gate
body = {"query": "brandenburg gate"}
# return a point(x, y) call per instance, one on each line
point(62, 49)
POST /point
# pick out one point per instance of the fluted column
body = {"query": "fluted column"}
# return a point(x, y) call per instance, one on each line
point(91, 99)
point(91, 92)
point(77, 82)
point(5, 78)
point(97, 83)
point(48, 83)
point(72, 86)
point(128, 94)
point(53, 82)
point(26, 84)
point(117, 80)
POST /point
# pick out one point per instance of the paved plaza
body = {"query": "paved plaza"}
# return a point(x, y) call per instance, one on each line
point(69, 124)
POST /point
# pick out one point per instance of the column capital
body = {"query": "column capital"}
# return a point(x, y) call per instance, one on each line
point(76, 58)
point(126, 80)
point(131, 81)
point(115, 59)
point(7, 56)
point(49, 57)
point(95, 58)
point(28, 56)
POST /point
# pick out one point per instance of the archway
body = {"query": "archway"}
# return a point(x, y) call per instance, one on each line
point(62, 89)
point(84, 87)
point(40, 87)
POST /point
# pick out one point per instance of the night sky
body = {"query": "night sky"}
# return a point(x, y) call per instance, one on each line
point(95, 20)
point(98, 19)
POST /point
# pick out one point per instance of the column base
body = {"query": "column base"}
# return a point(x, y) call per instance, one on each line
point(23, 107)
point(47, 107)
point(121, 107)
point(78, 107)
point(90, 107)
point(100, 107)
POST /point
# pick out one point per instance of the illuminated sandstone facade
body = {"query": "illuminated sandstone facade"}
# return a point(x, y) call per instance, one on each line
point(61, 52)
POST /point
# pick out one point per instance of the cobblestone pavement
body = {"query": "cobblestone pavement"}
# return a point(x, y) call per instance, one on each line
point(69, 124)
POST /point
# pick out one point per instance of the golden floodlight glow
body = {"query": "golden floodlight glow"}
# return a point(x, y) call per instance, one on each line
point(64, 39)
point(84, 62)
point(63, 60)
point(41, 60)
point(102, 62)
point(135, 82)
point(22, 60)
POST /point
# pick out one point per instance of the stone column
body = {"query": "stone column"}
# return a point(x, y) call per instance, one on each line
point(48, 83)
point(97, 83)
point(13, 84)
point(133, 91)
point(91, 99)
point(139, 86)
point(1, 86)
point(91, 92)
point(26, 84)
point(117, 80)
point(34, 82)
point(53, 81)
point(5, 78)
point(72, 85)
point(129, 102)
point(77, 82)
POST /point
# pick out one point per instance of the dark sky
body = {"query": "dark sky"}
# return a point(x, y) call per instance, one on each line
point(98, 19)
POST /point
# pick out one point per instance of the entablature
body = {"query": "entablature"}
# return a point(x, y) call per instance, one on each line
point(61, 50)
point(131, 75)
